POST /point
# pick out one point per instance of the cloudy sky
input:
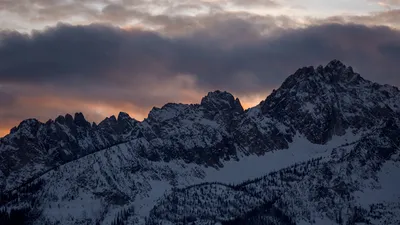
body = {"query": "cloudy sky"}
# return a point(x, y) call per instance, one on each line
point(105, 56)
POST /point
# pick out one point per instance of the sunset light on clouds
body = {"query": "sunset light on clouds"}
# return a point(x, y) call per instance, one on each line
point(101, 57)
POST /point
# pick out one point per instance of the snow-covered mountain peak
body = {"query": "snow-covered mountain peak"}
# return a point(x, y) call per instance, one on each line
point(123, 125)
point(336, 65)
point(123, 116)
point(27, 127)
point(168, 111)
point(221, 100)
point(333, 74)
point(215, 105)
point(337, 72)
point(109, 122)
point(68, 119)
point(29, 123)
point(79, 120)
point(326, 101)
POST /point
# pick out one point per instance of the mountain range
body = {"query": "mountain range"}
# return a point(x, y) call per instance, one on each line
point(323, 148)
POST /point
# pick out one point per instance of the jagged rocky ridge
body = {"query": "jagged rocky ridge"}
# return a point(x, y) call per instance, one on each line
point(34, 148)
point(121, 164)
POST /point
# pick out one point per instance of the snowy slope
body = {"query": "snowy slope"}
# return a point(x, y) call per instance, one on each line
point(349, 187)
point(102, 184)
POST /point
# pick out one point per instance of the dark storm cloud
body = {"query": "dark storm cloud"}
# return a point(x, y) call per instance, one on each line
point(391, 50)
point(78, 55)
point(58, 53)
point(103, 55)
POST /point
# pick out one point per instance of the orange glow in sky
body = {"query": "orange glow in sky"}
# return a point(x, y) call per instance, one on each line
point(4, 131)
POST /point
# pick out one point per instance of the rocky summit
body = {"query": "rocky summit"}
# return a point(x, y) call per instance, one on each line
point(321, 149)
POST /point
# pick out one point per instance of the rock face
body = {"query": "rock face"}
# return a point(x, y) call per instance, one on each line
point(326, 101)
point(334, 131)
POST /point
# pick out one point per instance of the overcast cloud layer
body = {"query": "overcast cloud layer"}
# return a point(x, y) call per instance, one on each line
point(177, 51)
